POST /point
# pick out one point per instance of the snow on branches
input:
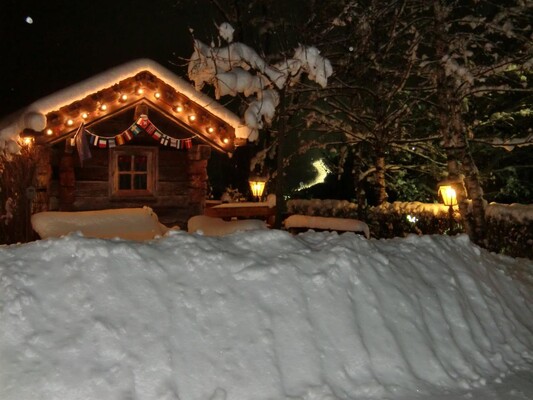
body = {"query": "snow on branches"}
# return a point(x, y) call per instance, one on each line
point(237, 68)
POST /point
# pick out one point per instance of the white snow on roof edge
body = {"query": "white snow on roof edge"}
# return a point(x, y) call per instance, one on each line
point(28, 117)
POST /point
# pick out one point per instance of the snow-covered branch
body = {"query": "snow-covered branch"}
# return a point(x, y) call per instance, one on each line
point(507, 144)
point(237, 68)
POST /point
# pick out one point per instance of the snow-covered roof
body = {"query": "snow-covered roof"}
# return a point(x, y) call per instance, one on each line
point(34, 115)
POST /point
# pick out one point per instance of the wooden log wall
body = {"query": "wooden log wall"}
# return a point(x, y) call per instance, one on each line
point(180, 193)
point(43, 176)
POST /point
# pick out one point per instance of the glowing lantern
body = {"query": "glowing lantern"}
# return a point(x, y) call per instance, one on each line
point(257, 186)
point(449, 197)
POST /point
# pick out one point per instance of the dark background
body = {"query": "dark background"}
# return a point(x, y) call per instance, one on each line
point(70, 41)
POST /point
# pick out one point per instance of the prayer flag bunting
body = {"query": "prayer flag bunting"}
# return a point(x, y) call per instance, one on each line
point(142, 124)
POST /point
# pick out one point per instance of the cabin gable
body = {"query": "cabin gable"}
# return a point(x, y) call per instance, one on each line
point(140, 141)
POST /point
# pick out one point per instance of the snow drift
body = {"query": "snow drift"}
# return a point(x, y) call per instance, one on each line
point(258, 315)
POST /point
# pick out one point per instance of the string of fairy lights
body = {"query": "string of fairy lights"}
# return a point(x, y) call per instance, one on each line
point(183, 112)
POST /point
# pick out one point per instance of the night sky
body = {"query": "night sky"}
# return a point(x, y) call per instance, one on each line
point(71, 40)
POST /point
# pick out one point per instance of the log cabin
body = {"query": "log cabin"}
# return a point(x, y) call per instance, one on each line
point(136, 135)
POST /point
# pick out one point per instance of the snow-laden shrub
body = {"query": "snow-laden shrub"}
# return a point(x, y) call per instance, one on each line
point(509, 226)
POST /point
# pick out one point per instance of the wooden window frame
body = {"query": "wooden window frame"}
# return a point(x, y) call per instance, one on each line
point(152, 154)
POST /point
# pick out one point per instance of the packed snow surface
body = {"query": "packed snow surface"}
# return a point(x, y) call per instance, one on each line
point(259, 315)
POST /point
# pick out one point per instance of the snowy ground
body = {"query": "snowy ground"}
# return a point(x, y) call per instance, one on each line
point(264, 315)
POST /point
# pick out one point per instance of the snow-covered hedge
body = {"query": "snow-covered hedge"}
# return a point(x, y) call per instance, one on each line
point(509, 226)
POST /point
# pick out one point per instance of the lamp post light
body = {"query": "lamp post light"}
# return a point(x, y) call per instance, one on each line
point(449, 198)
point(257, 186)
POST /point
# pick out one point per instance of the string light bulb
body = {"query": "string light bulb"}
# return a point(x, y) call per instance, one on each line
point(84, 115)
point(103, 107)
point(157, 95)
point(140, 91)
point(124, 97)
point(179, 109)
point(210, 129)
point(192, 118)
point(225, 140)
point(70, 122)
point(49, 132)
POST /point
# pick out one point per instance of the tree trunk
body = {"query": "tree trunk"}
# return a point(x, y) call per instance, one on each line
point(360, 194)
point(461, 166)
point(381, 187)
point(280, 161)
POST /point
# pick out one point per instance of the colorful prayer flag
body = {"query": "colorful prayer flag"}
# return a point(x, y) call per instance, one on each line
point(165, 140)
point(135, 129)
point(82, 146)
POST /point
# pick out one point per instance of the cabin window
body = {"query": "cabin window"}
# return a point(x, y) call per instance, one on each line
point(133, 171)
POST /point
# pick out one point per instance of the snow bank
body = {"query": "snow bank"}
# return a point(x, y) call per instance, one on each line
point(258, 315)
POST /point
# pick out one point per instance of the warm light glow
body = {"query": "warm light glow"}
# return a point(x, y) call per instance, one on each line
point(140, 91)
point(103, 107)
point(192, 118)
point(448, 194)
point(225, 140)
point(157, 95)
point(124, 97)
point(49, 132)
point(70, 122)
point(257, 186)
point(179, 109)
point(84, 115)
point(27, 140)
point(210, 129)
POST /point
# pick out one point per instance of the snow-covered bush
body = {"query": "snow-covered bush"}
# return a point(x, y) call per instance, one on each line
point(509, 226)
